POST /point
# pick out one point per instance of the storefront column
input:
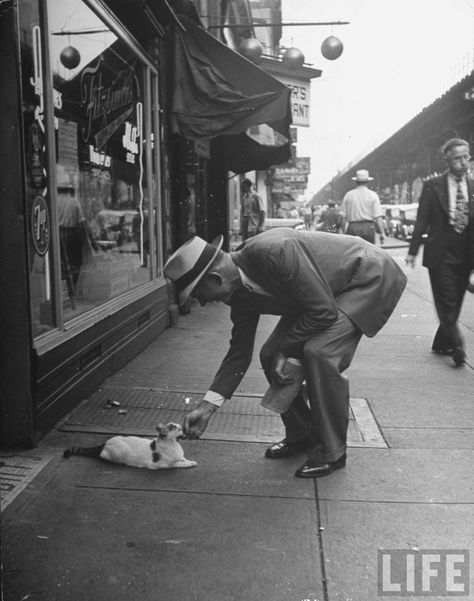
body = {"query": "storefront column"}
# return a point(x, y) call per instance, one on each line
point(16, 412)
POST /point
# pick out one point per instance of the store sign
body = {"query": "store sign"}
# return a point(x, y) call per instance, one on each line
point(129, 142)
point(99, 158)
point(300, 166)
point(40, 226)
point(107, 104)
point(300, 99)
point(297, 178)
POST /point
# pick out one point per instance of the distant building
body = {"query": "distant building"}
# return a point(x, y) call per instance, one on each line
point(401, 163)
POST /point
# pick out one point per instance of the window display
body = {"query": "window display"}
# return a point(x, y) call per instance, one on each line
point(102, 197)
point(104, 120)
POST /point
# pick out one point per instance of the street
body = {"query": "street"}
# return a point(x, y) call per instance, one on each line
point(240, 527)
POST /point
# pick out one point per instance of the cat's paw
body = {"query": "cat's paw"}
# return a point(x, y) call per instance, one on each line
point(186, 463)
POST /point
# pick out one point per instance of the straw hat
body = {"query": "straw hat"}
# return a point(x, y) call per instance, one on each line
point(189, 263)
point(362, 175)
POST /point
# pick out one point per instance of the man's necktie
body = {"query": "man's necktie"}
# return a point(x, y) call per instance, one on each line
point(461, 212)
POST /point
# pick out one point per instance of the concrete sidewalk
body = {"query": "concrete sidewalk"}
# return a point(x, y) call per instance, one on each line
point(240, 527)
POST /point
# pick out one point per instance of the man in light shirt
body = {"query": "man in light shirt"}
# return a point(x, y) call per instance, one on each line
point(361, 209)
point(72, 230)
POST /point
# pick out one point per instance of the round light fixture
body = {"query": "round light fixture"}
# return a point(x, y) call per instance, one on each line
point(70, 57)
point(293, 58)
point(251, 49)
point(332, 48)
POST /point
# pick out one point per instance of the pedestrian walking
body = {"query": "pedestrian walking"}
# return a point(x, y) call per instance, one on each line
point(331, 219)
point(72, 230)
point(252, 211)
point(329, 291)
point(361, 209)
point(294, 213)
point(307, 217)
point(446, 215)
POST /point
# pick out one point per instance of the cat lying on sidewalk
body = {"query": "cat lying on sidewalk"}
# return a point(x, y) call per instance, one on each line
point(161, 452)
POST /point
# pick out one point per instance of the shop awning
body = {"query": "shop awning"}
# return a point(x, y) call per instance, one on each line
point(144, 18)
point(217, 92)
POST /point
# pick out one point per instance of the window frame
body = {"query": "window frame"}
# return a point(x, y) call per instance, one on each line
point(151, 123)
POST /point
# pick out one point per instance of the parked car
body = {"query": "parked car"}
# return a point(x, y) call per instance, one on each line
point(400, 220)
point(118, 224)
point(272, 222)
point(407, 221)
point(392, 221)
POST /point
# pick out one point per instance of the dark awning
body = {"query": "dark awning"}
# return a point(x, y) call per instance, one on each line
point(217, 92)
point(144, 18)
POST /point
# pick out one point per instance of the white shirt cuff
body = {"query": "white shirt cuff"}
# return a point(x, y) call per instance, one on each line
point(214, 398)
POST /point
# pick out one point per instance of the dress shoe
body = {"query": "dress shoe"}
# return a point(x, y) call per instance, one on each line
point(285, 449)
point(316, 471)
point(459, 356)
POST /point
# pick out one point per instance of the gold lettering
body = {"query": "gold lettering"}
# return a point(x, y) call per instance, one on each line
point(100, 101)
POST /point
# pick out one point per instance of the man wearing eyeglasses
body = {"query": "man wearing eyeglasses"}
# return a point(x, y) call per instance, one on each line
point(446, 216)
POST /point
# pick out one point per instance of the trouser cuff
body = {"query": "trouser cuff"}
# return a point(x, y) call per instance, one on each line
point(317, 457)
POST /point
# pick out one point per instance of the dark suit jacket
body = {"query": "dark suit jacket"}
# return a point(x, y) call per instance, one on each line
point(433, 219)
point(310, 276)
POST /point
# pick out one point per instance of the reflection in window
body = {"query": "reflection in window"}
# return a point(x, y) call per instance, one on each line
point(102, 199)
point(36, 181)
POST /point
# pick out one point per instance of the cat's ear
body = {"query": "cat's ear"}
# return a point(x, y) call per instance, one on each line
point(162, 430)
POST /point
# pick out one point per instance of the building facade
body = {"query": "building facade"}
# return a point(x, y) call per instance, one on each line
point(110, 160)
point(84, 196)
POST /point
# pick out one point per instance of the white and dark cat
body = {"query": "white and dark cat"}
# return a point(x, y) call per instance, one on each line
point(161, 452)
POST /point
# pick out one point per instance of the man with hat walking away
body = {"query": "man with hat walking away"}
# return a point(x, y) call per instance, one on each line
point(328, 291)
point(361, 209)
point(72, 230)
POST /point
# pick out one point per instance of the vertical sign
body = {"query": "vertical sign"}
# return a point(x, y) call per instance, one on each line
point(300, 98)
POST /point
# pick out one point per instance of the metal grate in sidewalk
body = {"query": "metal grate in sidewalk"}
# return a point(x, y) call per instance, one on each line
point(137, 411)
point(16, 472)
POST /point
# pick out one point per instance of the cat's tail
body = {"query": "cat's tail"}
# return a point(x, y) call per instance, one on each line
point(84, 451)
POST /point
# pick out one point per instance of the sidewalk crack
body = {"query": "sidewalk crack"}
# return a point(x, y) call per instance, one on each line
point(321, 543)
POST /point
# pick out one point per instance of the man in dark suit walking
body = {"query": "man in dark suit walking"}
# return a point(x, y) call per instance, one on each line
point(446, 215)
point(328, 290)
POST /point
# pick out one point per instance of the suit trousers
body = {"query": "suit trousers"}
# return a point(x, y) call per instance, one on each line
point(326, 355)
point(449, 280)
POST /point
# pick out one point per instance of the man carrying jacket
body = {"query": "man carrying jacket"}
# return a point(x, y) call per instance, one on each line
point(328, 290)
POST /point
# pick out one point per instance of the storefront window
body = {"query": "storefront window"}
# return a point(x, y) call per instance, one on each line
point(102, 198)
point(38, 201)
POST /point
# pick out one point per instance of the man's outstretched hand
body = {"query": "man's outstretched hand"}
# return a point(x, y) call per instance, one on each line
point(195, 422)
